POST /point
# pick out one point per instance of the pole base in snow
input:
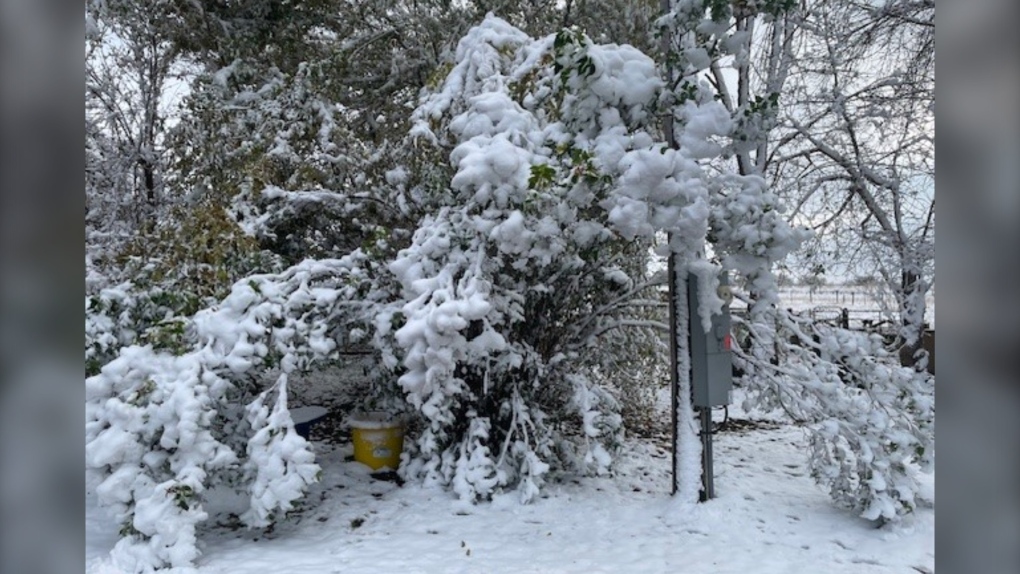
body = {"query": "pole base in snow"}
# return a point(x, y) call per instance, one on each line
point(707, 486)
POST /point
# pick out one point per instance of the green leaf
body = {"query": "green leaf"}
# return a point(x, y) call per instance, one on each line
point(541, 176)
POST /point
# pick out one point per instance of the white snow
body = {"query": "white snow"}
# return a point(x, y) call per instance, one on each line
point(372, 420)
point(768, 517)
point(687, 455)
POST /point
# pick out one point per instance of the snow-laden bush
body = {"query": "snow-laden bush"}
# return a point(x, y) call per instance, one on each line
point(535, 254)
point(870, 421)
point(126, 314)
point(110, 324)
point(162, 427)
point(189, 261)
point(517, 273)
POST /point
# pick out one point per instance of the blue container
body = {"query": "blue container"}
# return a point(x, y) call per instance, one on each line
point(305, 417)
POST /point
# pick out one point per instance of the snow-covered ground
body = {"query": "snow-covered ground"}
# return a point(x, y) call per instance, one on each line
point(769, 517)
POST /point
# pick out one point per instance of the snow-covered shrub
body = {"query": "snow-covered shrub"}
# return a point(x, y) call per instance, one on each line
point(127, 314)
point(188, 262)
point(489, 360)
point(110, 324)
point(163, 427)
point(871, 422)
point(150, 443)
point(531, 264)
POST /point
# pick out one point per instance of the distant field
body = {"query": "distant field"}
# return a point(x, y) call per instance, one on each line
point(861, 302)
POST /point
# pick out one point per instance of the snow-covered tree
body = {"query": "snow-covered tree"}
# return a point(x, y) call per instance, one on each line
point(128, 70)
point(150, 258)
point(871, 422)
point(854, 148)
point(560, 176)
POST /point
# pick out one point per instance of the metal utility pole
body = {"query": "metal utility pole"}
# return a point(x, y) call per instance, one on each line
point(674, 332)
point(707, 474)
point(674, 374)
point(708, 352)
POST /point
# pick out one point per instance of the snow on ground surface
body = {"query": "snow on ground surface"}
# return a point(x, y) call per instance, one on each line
point(768, 517)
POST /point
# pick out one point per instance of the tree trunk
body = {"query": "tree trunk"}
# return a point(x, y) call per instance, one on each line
point(912, 326)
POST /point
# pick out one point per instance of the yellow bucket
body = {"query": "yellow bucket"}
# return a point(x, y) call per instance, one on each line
point(378, 440)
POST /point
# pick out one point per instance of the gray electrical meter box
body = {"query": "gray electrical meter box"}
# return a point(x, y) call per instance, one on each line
point(711, 354)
